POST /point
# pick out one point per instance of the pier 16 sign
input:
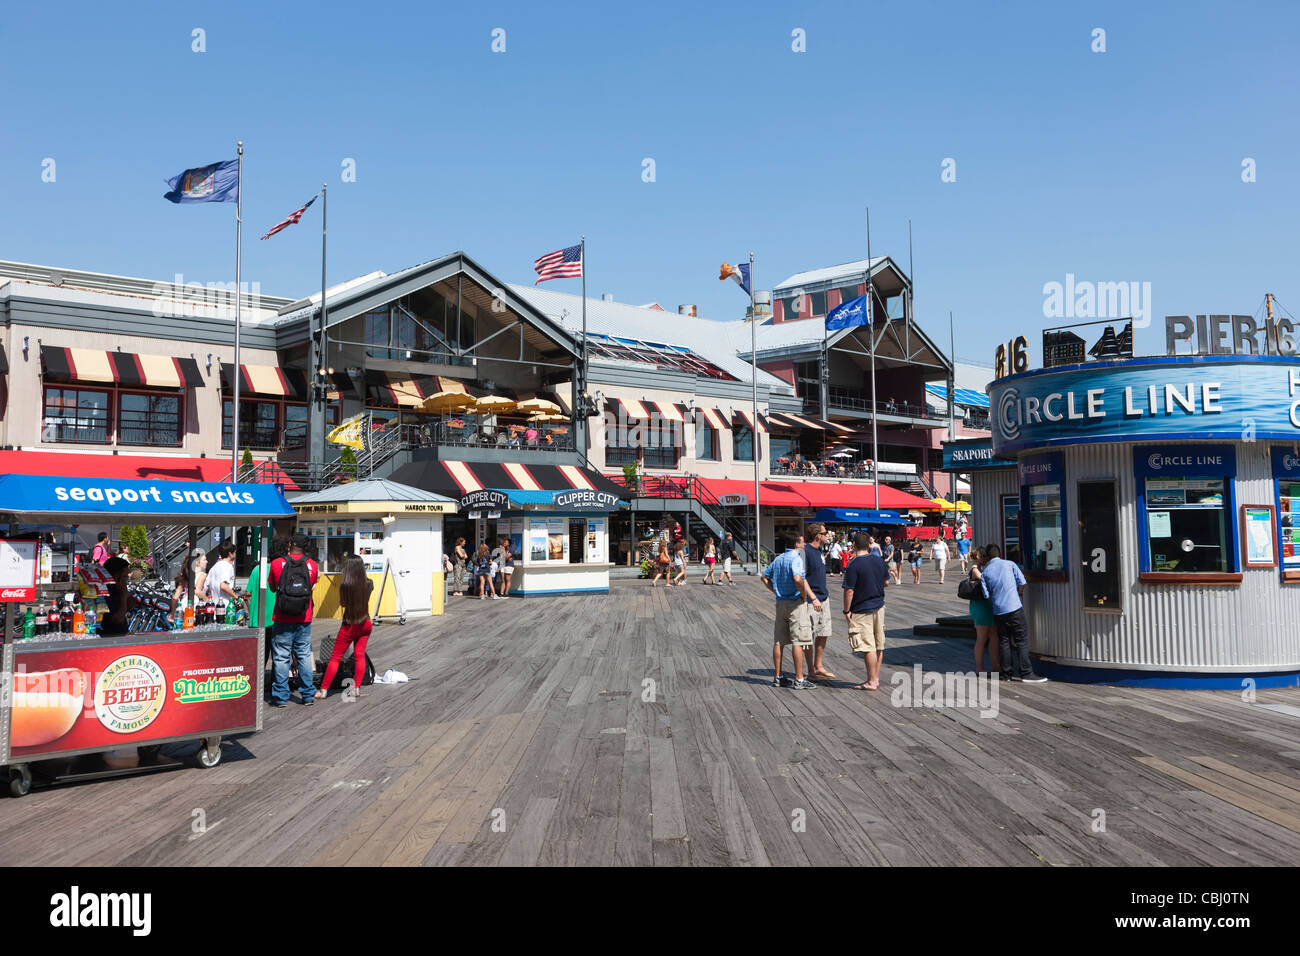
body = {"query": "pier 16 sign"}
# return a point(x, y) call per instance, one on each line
point(1238, 398)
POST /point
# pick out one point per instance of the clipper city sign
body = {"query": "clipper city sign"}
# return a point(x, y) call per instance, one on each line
point(1191, 397)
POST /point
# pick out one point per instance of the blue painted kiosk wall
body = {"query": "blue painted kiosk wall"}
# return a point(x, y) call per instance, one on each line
point(1187, 441)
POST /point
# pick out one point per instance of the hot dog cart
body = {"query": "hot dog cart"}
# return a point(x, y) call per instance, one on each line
point(67, 696)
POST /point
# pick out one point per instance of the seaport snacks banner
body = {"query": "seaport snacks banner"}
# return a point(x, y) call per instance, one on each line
point(1240, 398)
point(95, 697)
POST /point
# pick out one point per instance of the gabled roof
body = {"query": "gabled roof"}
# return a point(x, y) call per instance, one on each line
point(362, 296)
point(374, 489)
point(836, 274)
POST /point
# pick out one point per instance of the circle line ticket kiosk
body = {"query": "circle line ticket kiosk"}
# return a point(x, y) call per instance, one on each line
point(1155, 504)
point(70, 703)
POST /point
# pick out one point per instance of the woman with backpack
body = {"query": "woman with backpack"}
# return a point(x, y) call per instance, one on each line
point(354, 598)
point(100, 553)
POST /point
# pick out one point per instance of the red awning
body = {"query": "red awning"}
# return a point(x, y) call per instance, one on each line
point(131, 467)
point(817, 494)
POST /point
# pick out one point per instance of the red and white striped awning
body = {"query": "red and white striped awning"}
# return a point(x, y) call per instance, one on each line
point(747, 417)
point(459, 478)
point(644, 410)
point(714, 417)
point(789, 420)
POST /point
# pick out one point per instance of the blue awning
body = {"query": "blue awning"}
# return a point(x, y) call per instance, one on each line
point(195, 502)
point(962, 396)
point(859, 516)
point(572, 499)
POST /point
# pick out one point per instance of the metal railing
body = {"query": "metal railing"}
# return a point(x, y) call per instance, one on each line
point(691, 488)
point(840, 398)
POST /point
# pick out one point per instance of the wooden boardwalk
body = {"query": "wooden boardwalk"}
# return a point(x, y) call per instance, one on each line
point(641, 729)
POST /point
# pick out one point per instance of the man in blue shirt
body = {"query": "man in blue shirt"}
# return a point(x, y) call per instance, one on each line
point(815, 539)
point(865, 581)
point(784, 577)
point(1003, 583)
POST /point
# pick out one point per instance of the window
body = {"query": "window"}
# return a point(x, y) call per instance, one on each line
point(259, 424)
point(656, 443)
point(792, 308)
point(849, 293)
point(1011, 528)
point(144, 419)
point(781, 447)
point(1042, 523)
point(818, 304)
point(76, 415)
point(377, 334)
point(1099, 544)
point(1286, 471)
point(1186, 522)
point(742, 443)
point(1188, 525)
point(706, 441)
point(808, 380)
point(295, 426)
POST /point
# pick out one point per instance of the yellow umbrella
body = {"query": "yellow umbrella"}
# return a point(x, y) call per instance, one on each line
point(963, 505)
point(446, 402)
point(538, 406)
point(494, 405)
point(943, 504)
point(548, 417)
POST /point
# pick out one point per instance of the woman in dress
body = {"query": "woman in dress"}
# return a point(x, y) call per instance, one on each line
point(462, 558)
point(981, 612)
point(483, 571)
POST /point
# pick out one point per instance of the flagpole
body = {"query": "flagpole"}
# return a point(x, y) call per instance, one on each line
point(235, 378)
point(753, 361)
point(581, 397)
point(324, 325)
point(871, 324)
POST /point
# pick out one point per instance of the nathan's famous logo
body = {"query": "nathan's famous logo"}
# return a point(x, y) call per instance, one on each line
point(129, 694)
point(188, 690)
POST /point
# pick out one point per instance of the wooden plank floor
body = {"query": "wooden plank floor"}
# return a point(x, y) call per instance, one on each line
point(641, 729)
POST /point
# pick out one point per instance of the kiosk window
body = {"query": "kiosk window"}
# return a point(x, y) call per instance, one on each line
point(1288, 516)
point(1011, 528)
point(1099, 544)
point(1043, 539)
point(1188, 525)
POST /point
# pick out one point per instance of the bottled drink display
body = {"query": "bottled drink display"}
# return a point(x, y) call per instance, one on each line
point(52, 619)
point(41, 621)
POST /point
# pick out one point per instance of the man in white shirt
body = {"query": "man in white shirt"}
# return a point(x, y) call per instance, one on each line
point(221, 577)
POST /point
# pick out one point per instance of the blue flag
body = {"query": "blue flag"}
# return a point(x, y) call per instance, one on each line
point(218, 182)
point(853, 312)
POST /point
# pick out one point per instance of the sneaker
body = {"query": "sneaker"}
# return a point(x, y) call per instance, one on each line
point(309, 700)
point(781, 682)
point(802, 684)
point(1033, 679)
point(279, 703)
point(1005, 677)
point(496, 597)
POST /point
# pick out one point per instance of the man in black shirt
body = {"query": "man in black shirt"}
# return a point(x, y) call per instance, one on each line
point(865, 581)
point(815, 574)
point(728, 554)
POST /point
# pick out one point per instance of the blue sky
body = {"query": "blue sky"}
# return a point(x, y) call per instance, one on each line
point(1117, 166)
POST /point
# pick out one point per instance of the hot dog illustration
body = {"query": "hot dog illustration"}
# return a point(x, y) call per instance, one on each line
point(45, 706)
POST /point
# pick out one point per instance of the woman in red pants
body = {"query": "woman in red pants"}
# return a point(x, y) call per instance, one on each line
point(354, 596)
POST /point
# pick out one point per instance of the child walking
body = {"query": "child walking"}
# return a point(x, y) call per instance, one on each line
point(354, 596)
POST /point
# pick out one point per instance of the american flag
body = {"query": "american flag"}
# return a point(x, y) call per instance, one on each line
point(561, 264)
point(292, 220)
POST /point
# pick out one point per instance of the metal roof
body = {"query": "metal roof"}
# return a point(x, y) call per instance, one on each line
point(844, 271)
point(962, 396)
point(716, 342)
point(373, 489)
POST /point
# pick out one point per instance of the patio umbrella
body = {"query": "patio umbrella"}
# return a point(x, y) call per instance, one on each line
point(446, 402)
point(842, 454)
point(494, 405)
point(962, 505)
point(943, 504)
point(537, 406)
point(547, 417)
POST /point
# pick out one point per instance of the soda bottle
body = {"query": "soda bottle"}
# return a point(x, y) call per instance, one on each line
point(78, 619)
point(40, 621)
point(187, 617)
point(52, 619)
point(230, 614)
point(65, 615)
point(29, 625)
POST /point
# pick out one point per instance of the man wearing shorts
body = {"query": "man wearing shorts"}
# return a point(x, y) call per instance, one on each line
point(864, 608)
point(963, 547)
point(784, 577)
point(728, 554)
point(815, 572)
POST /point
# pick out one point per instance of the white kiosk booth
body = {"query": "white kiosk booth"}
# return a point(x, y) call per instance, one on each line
point(394, 528)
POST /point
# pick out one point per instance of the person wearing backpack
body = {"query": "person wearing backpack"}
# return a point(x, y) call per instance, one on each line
point(292, 578)
point(354, 597)
point(100, 553)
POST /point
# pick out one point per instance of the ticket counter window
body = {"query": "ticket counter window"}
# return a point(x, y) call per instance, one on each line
point(1043, 541)
point(1188, 527)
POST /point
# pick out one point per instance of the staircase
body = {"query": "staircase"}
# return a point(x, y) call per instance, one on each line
point(689, 494)
point(961, 627)
point(918, 486)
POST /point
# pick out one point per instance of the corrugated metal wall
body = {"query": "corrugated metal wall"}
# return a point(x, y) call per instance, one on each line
point(987, 488)
point(1255, 624)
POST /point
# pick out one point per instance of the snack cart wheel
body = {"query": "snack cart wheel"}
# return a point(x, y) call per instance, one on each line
point(20, 780)
point(209, 753)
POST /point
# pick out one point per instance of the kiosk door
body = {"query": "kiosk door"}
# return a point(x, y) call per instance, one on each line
point(1099, 544)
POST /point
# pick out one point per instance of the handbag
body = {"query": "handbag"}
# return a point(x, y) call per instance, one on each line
point(969, 590)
